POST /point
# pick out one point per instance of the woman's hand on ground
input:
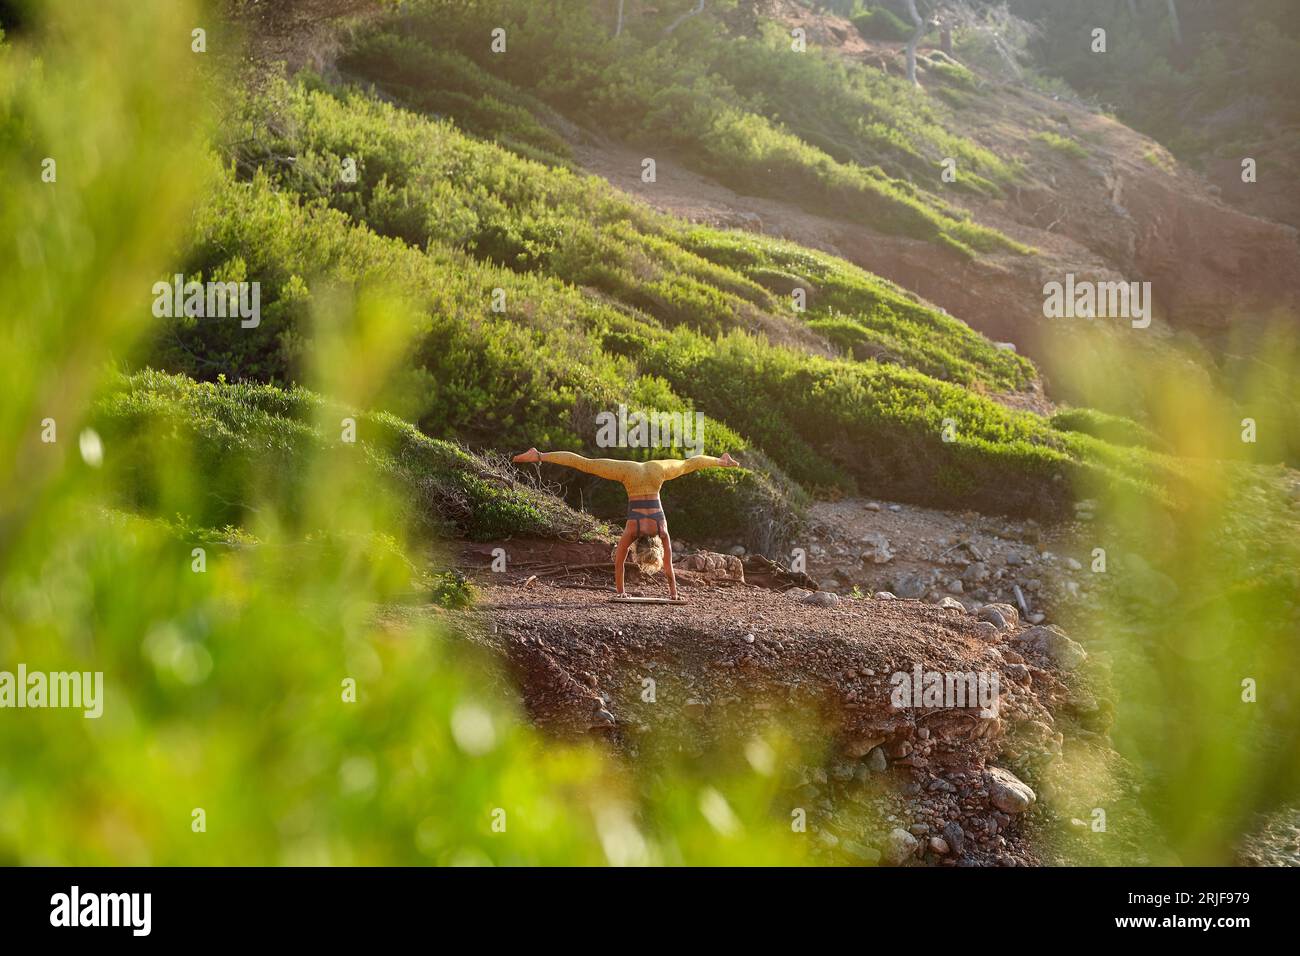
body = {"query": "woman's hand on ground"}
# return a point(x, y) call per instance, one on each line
point(528, 457)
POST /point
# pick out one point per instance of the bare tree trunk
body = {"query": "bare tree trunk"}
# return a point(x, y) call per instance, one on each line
point(1175, 23)
point(618, 26)
point(698, 8)
point(911, 44)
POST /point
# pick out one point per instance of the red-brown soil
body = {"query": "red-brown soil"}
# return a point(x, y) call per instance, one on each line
point(738, 656)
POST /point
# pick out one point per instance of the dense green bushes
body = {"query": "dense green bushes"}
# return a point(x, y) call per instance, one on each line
point(601, 303)
point(1187, 95)
point(857, 115)
point(844, 140)
point(265, 445)
point(462, 193)
point(492, 377)
point(602, 298)
point(530, 376)
point(479, 102)
point(877, 23)
point(849, 426)
point(1115, 429)
point(261, 445)
point(865, 315)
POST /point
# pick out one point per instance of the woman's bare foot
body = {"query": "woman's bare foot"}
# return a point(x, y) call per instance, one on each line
point(528, 457)
point(727, 461)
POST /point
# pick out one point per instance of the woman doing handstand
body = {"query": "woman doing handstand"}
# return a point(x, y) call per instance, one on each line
point(642, 479)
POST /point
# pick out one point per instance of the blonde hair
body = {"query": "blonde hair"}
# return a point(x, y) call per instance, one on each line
point(647, 553)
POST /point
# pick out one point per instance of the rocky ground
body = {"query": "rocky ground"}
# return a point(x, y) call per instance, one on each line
point(1275, 842)
point(974, 559)
point(859, 546)
point(884, 586)
point(944, 782)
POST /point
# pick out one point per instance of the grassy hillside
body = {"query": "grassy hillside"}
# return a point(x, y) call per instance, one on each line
point(865, 389)
point(258, 445)
point(748, 109)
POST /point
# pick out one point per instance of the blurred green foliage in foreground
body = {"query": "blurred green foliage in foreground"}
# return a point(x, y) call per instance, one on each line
point(1202, 608)
point(225, 690)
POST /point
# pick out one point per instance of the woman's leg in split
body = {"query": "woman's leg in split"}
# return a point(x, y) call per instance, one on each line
point(612, 468)
point(620, 553)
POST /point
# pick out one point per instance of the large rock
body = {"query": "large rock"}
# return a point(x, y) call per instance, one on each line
point(1002, 615)
point(955, 837)
point(713, 566)
point(864, 853)
point(1051, 642)
point(899, 846)
point(1008, 792)
point(861, 746)
point(876, 548)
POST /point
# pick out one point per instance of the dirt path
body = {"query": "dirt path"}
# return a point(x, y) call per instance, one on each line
point(862, 546)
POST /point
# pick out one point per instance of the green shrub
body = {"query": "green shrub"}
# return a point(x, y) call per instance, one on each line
point(445, 82)
point(877, 23)
point(452, 590)
point(1062, 144)
point(954, 74)
point(1115, 429)
point(808, 128)
point(850, 426)
point(658, 298)
point(261, 444)
point(866, 316)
